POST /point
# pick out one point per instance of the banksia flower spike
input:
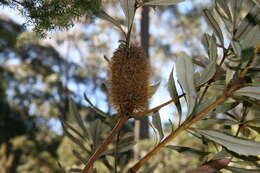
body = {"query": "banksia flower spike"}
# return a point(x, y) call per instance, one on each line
point(129, 79)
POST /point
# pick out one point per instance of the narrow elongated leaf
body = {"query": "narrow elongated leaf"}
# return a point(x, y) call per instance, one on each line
point(214, 24)
point(79, 157)
point(235, 9)
point(222, 154)
point(120, 149)
point(242, 170)
point(185, 71)
point(103, 15)
point(220, 121)
point(173, 93)
point(95, 132)
point(235, 144)
point(128, 7)
point(156, 121)
point(75, 170)
point(74, 139)
point(248, 23)
point(250, 40)
point(212, 166)
point(213, 49)
point(98, 111)
point(152, 89)
point(254, 122)
point(187, 150)
point(237, 48)
point(224, 6)
point(206, 41)
point(162, 2)
point(252, 91)
point(207, 74)
point(70, 127)
point(225, 107)
point(74, 112)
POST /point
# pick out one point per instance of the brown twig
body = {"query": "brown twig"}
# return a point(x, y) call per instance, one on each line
point(181, 128)
point(139, 114)
point(107, 141)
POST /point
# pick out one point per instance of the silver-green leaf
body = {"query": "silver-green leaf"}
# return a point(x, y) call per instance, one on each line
point(128, 7)
point(206, 74)
point(185, 71)
point(235, 144)
point(214, 24)
point(187, 150)
point(251, 91)
point(248, 23)
point(95, 132)
point(74, 112)
point(152, 89)
point(157, 123)
point(103, 15)
point(162, 2)
point(213, 48)
point(173, 93)
point(242, 170)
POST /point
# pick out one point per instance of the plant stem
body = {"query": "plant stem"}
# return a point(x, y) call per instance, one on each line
point(139, 114)
point(181, 128)
point(123, 119)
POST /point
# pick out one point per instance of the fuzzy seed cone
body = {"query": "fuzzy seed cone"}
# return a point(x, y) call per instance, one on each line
point(129, 79)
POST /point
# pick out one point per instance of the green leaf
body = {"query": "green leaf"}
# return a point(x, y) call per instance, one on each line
point(237, 47)
point(225, 107)
point(214, 24)
point(79, 157)
point(224, 6)
point(185, 71)
point(128, 7)
point(68, 126)
point(243, 157)
point(251, 91)
point(212, 166)
point(254, 122)
point(103, 15)
point(153, 88)
point(207, 74)
point(222, 154)
point(187, 150)
point(235, 144)
point(95, 132)
point(74, 139)
point(162, 2)
point(213, 49)
point(156, 121)
point(75, 170)
point(247, 54)
point(120, 148)
point(74, 112)
point(248, 23)
point(205, 41)
point(242, 170)
point(235, 9)
point(98, 111)
point(220, 121)
point(250, 40)
point(173, 93)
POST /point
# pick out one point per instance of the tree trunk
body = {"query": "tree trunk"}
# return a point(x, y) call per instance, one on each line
point(141, 129)
point(144, 128)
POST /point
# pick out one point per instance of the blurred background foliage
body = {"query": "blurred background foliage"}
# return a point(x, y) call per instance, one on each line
point(38, 77)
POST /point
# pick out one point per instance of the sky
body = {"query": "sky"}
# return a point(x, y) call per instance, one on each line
point(160, 96)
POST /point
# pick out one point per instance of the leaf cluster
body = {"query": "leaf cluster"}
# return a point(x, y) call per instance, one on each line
point(55, 14)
